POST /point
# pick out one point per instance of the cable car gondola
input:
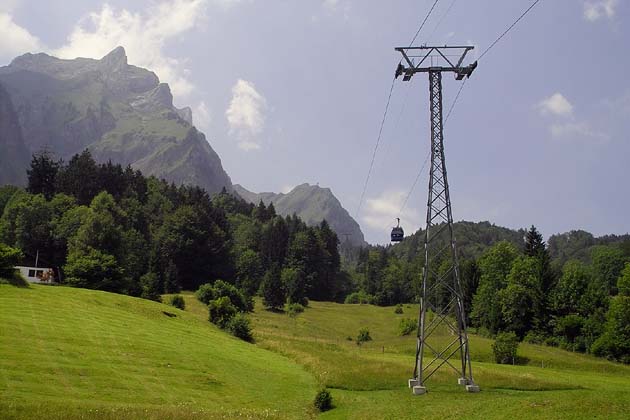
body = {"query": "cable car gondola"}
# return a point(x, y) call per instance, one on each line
point(398, 234)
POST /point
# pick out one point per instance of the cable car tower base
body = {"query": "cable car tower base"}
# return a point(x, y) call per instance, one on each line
point(442, 309)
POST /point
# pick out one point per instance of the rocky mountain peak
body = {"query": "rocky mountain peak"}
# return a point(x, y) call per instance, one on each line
point(116, 59)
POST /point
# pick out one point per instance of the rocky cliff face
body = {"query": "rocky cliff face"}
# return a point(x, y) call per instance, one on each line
point(312, 204)
point(118, 111)
point(14, 156)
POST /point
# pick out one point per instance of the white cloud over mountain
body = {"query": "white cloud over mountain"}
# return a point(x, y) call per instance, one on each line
point(14, 39)
point(144, 36)
point(246, 115)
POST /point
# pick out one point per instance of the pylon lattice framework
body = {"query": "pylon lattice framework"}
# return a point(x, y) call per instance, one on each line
point(441, 301)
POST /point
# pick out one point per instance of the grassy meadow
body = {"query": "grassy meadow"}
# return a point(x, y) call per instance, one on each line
point(73, 353)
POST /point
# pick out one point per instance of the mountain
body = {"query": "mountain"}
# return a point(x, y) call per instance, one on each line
point(118, 111)
point(312, 204)
point(14, 156)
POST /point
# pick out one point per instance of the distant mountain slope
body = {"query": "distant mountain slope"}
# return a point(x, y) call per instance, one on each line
point(14, 155)
point(118, 111)
point(312, 204)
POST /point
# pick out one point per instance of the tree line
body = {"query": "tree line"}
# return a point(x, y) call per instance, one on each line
point(111, 228)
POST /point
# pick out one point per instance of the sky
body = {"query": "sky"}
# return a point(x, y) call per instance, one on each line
point(289, 92)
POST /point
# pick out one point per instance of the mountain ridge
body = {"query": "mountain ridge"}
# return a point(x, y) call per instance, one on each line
point(118, 111)
point(312, 204)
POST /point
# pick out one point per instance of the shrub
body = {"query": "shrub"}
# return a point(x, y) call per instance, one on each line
point(364, 336)
point(178, 302)
point(407, 326)
point(237, 297)
point(240, 327)
point(533, 337)
point(504, 347)
point(323, 400)
point(205, 293)
point(208, 292)
point(221, 311)
point(359, 298)
point(399, 309)
point(9, 258)
point(293, 309)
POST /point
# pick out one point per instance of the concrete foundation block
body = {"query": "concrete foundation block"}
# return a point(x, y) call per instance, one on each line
point(413, 382)
point(472, 388)
point(462, 381)
point(419, 390)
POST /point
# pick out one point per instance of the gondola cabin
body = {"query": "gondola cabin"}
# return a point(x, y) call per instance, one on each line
point(398, 234)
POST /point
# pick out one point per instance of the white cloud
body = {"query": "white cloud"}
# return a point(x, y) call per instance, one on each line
point(556, 104)
point(331, 4)
point(143, 36)
point(9, 6)
point(245, 115)
point(597, 9)
point(202, 117)
point(576, 130)
point(381, 212)
point(14, 39)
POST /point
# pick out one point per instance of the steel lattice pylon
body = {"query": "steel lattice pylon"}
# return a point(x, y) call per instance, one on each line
point(441, 301)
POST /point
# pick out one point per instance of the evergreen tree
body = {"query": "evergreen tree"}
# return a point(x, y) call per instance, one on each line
point(272, 290)
point(42, 174)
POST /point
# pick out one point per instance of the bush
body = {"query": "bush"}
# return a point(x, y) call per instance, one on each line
point(221, 311)
point(359, 298)
point(293, 309)
point(237, 297)
point(323, 400)
point(240, 327)
point(504, 348)
point(364, 336)
point(9, 258)
point(399, 309)
point(205, 293)
point(534, 338)
point(208, 292)
point(178, 302)
point(407, 326)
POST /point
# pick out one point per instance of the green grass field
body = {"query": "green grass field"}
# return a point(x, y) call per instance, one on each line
point(71, 353)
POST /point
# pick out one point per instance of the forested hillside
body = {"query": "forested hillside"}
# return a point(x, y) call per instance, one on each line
point(110, 228)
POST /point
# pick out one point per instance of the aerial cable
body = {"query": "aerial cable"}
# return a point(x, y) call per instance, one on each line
point(423, 23)
point(378, 141)
point(488, 49)
point(380, 132)
point(441, 20)
point(509, 29)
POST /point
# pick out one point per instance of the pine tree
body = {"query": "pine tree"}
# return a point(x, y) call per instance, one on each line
point(272, 290)
point(42, 174)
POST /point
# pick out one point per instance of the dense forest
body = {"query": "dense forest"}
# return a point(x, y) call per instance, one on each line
point(106, 227)
point(110, 228)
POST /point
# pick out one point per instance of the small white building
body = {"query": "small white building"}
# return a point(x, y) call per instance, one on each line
point(41, 275)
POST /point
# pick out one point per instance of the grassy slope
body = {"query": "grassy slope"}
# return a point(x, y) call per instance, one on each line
point(77, 353)
point(74, 353)
point(369, 382)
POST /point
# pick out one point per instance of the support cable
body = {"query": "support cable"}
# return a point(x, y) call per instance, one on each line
point(441, 20)
point(423, 23)
point(509, 29)
point(378, 141)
